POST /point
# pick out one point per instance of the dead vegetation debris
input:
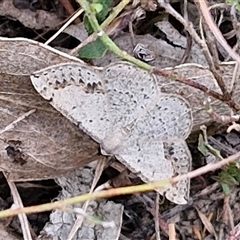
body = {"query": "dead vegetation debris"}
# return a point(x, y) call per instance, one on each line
point(52, 140)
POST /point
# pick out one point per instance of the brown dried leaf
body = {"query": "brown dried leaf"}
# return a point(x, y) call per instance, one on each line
point(207, 224)
point(44, 144)
point(48, 143)
point(38, 20)
point(197, 233)
point(21, 56)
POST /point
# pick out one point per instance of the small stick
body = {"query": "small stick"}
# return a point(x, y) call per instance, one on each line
point(172, 232)
point(74, 17)
point(215, 30)
point(18, 204)
point(189, 82)
point(69, 8)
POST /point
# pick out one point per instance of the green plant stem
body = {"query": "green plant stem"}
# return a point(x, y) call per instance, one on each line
point(90, 12)
point(116, 10)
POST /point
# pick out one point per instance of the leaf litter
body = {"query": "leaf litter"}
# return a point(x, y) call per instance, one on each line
point(209, 202)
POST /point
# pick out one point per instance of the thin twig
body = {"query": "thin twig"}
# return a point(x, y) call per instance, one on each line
point(189, 27)
point(231, 103)
point(69, 8)
point(172, 232)
point(188, 82)
point(78, 223)
point(209, 167)
point(157, 230)
point(76, 15)
point(215, 30)
point(18, 203)
point(106, 40)
point(121, 191)
point(234, 82)
point(214, 63)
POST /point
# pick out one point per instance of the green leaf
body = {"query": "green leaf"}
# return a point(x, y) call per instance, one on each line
point(87, 25)
point(225, 188)
point(234, 171)
point(96, 49)
point(229, 179)
point(97, 7)
point(102, 8)
point(202, 146)
point(106, 5)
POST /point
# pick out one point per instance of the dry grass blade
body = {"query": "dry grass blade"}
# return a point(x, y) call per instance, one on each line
point(22, 217)
point(99, 168)
point(208, 225)
point(197, 233)
point(157, 230)
point(215, 30)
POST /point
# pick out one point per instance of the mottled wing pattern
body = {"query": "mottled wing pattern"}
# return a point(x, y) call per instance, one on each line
point(76, 90)
point(122, 108)
point(154, 127)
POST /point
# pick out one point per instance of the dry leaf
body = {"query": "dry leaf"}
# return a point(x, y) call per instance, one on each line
point(207, 224)
point(47, 142)
point(38, 20)
point(21, 56)
point(197, 232)
point(44, 144)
